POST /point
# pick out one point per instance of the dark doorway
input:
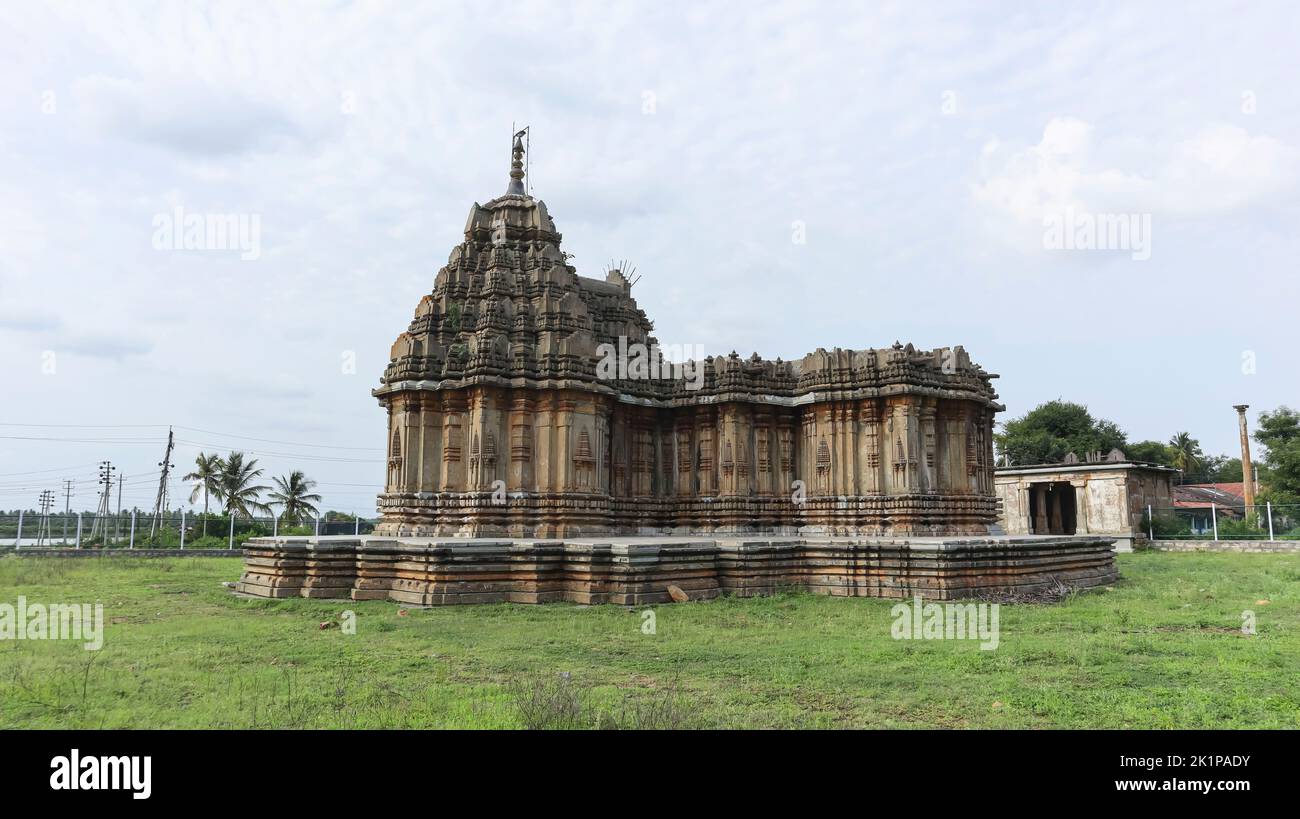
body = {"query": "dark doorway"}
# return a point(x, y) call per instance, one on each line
point(1051, 508)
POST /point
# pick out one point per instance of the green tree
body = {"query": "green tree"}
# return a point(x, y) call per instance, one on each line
point(1228, 471)
point(1049, 431)
point(1152, 452)
point(294, 495)
point(1217, 469)
point(238, 490)
point(1279, 433)
point(207, 481)
point(1186, 453)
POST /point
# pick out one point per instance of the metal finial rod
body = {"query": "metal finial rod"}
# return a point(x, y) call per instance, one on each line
point(517, 165)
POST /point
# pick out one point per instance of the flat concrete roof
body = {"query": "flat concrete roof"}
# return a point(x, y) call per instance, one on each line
point(1095, 466)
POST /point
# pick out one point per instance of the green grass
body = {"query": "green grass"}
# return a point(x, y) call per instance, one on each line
point(1162, 649)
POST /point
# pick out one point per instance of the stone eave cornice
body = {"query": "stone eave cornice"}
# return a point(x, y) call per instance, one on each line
point(700, 398)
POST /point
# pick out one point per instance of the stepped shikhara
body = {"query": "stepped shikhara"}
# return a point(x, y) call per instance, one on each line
point(538, 450)
point(503, 421)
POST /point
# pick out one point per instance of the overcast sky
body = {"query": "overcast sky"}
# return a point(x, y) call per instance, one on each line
point(918, 149)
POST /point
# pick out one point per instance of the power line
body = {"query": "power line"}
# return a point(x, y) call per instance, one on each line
point(38, 471)
point(84, 426)
point(128, 489)
point(285, 443)
point(158, 426)
point(298, 455)
point(76, 440)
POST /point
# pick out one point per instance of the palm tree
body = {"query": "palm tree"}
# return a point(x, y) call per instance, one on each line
point(240, 494)
point(295, 495)
point(1186, 452)
point(207, 480)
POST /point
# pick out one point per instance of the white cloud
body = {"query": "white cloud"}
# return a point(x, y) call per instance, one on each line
point(1223, 168)
point(1219, 169)
point(188, 117)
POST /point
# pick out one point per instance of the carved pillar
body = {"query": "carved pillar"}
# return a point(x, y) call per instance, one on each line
point(807, 449)
point(1054, 523)
point(544, 455)
point(787, 458)
point(410, 442)
point(521, 441)
point(430, 442)
point(604, 412)
point(846, 474)
point(706, 452)
point(664, 470)
point(453, 436)
point(1080, 506)
point(564, 467)
point(1039, 494)
point(869, 463)
point(685, 458)
point(928, 479)
point(986, 451)
point(763, 451)
point(904, 434)
point(393, 481)
point(1023, 523)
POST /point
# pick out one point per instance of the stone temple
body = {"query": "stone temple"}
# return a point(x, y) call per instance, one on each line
point(541, 448)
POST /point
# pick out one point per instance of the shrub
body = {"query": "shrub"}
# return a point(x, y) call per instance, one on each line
point(549, 702)
point(1166, 526)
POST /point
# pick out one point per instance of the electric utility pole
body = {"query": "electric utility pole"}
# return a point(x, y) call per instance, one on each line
point(160, 503)
point(67, 506)
point(106, 470)
point(117, 519)
point(43, 531)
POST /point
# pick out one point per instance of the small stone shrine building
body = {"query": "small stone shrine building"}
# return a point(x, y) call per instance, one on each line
point(1099, 496)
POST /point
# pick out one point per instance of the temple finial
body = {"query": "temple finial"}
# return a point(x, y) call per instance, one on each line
point(517, 165)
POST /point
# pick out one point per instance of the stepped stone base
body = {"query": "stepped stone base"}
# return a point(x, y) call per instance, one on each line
point(638, 570)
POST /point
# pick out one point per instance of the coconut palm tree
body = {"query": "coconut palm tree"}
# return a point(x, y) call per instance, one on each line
point(295, 495)
point(240, 495)
point(207, 481)
point(1186, 452)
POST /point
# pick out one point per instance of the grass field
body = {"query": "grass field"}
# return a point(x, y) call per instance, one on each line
point(1162, 649)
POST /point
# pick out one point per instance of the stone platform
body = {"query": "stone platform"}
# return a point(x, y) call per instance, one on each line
point(638, 570)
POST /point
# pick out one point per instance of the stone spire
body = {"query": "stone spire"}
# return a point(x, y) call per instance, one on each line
point(517, 167)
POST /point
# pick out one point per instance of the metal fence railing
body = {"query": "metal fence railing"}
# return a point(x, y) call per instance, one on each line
point(174, 530)
point(1217, 521)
